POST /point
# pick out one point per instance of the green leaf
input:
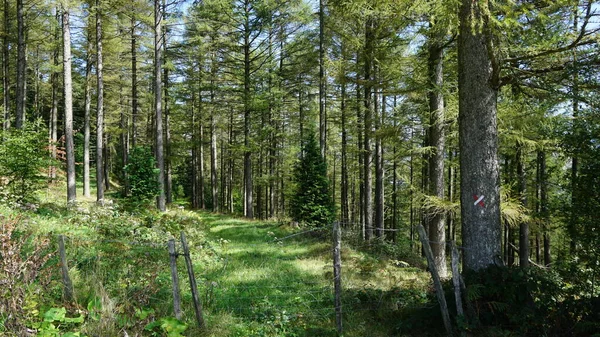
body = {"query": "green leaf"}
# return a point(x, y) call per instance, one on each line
point(55, 314)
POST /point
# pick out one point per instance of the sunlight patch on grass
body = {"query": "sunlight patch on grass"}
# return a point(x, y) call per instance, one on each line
point(247, 275)
point(312, 266)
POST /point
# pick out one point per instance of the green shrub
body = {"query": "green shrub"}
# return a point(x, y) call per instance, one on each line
point(142, 175)
point(528, 302)
point(23, 156)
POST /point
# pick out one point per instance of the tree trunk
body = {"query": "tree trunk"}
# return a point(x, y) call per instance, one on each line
point(54, 108)
point(168, 164)
point(21, 67)
point(158, 112)
point(379, 172)
point(200, 168)
point(524, 226)
point(194, 153)
point(214, 182)
point(368, 124)
point(478, 135)
point(544, 207)
point(322, 79)
point(394, 225)
point(437, 141)
point(124, 139)
point(248, 203)
point(5, 70)
point(99, 109)
point(87, 112)
point(68, 97)
point(134, 93)
point(344, 169)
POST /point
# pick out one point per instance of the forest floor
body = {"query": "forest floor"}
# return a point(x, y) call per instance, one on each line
point(255, 278)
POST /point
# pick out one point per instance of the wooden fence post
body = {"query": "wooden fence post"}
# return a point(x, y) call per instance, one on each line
point(175, 278)
point(193, 286)
point(68, 285)
point(436, 280)
point(337, 275)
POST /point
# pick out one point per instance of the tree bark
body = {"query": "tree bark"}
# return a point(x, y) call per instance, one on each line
point(322, 79)
point(523, 226)
point(368, 124)
point(87, 113)
point(5, 70)
point(168, 153)
point(158, 112)
point(248, 203)
point(21, 67)
point(134, 91)
point(544, 207)
point(200, 168)
point(478, 136)
point(99, 109)
point(124, 139)
point(437, 141)
point(54, 108)
point(214, 182)
point(344, 169)
point(68, 97)
point(379, 172)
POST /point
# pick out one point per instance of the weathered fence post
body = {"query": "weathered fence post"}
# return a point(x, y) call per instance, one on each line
point(193, 286)
point(175, 278)
point(68, 285)
point(337, 275)
point(436, 280)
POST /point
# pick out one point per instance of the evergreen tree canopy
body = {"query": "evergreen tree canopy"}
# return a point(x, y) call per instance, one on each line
point(311, 202)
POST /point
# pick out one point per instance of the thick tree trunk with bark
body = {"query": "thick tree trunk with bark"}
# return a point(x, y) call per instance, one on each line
point(158, 113)
point(21, 66)
point(478, 135)
point(68, 97)
point(99, 109)
point(437, 141)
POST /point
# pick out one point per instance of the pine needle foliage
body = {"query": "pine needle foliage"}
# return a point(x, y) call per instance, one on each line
point(311, 203)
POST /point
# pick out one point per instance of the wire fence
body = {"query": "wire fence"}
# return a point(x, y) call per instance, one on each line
point(300, 298)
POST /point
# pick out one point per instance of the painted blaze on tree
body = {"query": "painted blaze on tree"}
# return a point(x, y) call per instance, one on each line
point(311, 203)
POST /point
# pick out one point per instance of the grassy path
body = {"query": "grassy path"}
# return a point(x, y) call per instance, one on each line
point(270, 287)
point(270, 283)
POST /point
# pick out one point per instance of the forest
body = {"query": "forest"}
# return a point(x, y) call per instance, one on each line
point(259, 128)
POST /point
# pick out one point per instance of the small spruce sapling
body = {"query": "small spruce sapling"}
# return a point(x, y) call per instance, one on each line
point(311, 202)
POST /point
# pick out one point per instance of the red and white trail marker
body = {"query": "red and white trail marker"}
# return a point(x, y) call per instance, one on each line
point(478, 200)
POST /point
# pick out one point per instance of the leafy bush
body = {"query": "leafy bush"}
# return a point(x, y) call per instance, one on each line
point(22, 273)
point(528, 302)
point(142, 174)
point(23, 156)
point(311, 203)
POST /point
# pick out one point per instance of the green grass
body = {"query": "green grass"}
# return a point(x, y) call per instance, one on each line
point(254, 278)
